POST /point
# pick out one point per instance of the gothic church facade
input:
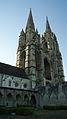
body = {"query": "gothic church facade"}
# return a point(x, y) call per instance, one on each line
point(38, 77)
point(39, 56)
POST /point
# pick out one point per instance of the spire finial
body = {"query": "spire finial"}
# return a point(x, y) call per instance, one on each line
point(30, 23)
point(48, 29)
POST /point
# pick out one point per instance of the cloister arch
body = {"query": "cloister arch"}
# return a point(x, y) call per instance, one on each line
point(33, 100)
point(18, 99)
point(26, 99)
point(1, 99)
point(9, 99)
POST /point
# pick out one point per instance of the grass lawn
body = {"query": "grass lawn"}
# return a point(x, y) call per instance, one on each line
point(40, 114)
point(32, 113)
point(50, 114)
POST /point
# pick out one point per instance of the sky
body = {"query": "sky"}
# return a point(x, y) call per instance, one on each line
point(14, 15)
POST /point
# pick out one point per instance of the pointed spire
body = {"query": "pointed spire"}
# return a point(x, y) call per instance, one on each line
point(30, 23)
point(36, 31)
point(22, 32)
point(48, 29)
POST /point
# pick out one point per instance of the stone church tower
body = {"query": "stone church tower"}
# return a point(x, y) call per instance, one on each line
point(52, 56)
point(39, 56)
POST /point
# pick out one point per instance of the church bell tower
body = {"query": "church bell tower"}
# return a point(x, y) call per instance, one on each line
point(40, 57)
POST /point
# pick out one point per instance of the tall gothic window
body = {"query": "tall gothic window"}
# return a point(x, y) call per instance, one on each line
point(47, 71)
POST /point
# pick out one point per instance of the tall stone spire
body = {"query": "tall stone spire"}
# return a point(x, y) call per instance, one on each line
point(30, 23)
point(48, 29)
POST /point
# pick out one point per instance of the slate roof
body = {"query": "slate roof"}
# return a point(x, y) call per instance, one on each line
point(12, 70)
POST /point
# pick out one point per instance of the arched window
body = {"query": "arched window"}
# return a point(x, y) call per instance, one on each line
point(22, 59)
point(9, 82)
point(47, 71)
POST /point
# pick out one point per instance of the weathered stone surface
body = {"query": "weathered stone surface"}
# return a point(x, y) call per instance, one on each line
point(41, 59)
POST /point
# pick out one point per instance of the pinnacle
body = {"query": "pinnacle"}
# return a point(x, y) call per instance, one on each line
point(22, 32)
point(48, 29)
point(36, 30)
point(30, 23)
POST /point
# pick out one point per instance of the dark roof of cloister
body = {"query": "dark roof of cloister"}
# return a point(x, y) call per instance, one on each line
point(12, 70)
